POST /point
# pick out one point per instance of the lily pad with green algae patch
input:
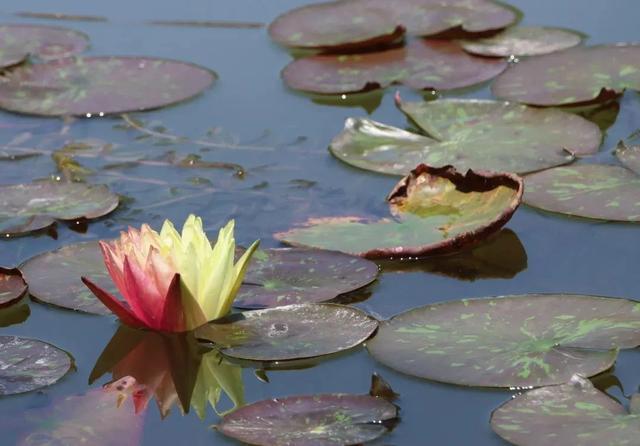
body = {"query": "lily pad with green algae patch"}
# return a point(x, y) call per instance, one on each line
point(629, 156)
point(289, 332)
point(333, 419)
point(97, 86)
point(54, 277)
point(435, 210)
point(524, 41)
point(576, 75)
point(29, 364)
point(26, 208)
point(421, 64)
point(12, 286)
point(571, 414)
point(469, 134)
point(286, 276)
point(513, 341)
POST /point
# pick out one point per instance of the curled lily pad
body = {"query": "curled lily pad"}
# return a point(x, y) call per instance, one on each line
point(26, 208)
point(101, 85)
point(513, 341)
point(586, 190)
point(421, 64)
point(54, 277)
point(524, 41)
point(573, 76)
point(629, 156)
point(29, 364)
point(469, 134)
point(437, 210)
point(12, 286)
point(278, 277)
point(289, 332)
point(333, 419)
point(571, 414)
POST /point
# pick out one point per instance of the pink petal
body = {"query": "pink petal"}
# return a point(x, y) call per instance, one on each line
point(141, 294)
point(113, 261)
point(113, 304)
point(172, 313)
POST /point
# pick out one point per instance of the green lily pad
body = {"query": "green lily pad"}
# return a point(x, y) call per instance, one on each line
point(18, 41)
point(437, 210)
point(629, 156)
point(571, 414)
point(54, 277)
point(12, 286)
point(289, 332)
point(469, 134)
point(101, 85)
point(421, 64)
point(586, 190)
point(513, 341)
point(26, 208)
point(577, 75)
point(29, 364)
point(524, 41)
point(287, 276)
point(333, 419)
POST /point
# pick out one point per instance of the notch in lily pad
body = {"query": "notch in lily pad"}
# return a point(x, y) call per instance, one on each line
point(12, 286)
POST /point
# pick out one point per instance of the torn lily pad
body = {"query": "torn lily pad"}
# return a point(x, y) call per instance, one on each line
point(289, 332)
point(437, 210)
point(523, 41)
point(577, 75)
point(513, 341)
point(571, 414)
point(421, 64)
point(98, 86)
point(469, 134)
point(26, 208)
point(12, 286)
point(629, 156)
point(29, 364)
point(287, 276)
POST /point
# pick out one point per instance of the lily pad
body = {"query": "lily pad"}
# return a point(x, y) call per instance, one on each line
point(524, 41)
point(438, 210)
point(29, 364)
point(629, 156)
point(571, 414)
point(513, 341)
point(287, 276)
point(469, 134)
point(586, 190)
point(289, 332)
point(351, 24)
point(577, 75)
point(421, 64)
point(101, 85)
point(323, 420)
point(12, 286)
point(54, 277)
point(18, 41)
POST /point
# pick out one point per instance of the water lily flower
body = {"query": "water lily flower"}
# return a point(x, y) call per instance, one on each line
point(172, 282)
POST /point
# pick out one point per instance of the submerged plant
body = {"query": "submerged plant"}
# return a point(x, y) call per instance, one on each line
point(172, 282)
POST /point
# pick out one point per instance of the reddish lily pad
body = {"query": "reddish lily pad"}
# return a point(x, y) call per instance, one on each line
point(524, 41)
point(54, 277)
point(577, 75)
point(290, 332)
point(575, 414)
point(287, 276)
point(29, 364)
point(333, 419)
point(469, 134)
point(586, 190)
point(421, 64)
point(12, 286)
point(629, 156)
point(513, 341)
point(438, 210)
point(101, 85)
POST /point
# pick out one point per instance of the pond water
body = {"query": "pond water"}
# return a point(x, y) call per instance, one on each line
point(280, 139)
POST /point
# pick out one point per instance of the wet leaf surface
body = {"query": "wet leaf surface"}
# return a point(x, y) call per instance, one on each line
point(26, 208)
point(12, 286)
point(101, 85)
point(289, 332)
point(629, 156)
point(421, 64)
point(513, 341)
point(573, 76)
point(287, 276)
point(469, 134)
point(29, 364)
